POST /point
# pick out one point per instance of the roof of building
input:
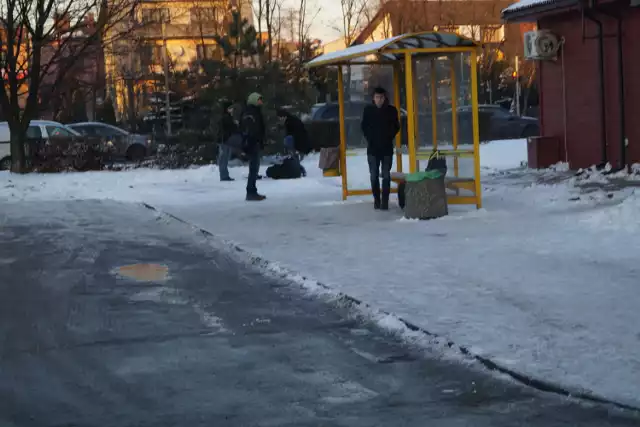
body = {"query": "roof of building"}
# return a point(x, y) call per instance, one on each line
point(381, 49)
point(524, 4)
point(529, 7)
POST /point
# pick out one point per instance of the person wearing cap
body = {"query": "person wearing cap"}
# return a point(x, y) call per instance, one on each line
point(228, 128)
point(254, 131)
point(380, 126)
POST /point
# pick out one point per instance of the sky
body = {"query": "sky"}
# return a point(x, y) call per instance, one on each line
point(326, 24)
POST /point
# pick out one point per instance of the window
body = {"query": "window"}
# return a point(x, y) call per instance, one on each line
point(109, 132)
point(34, 132)
point(482, 33)
point(495, 111)
point(499, 113)
point(85, 130)
point(150, 54)
point(156, 15)
point(58, 132)
point(330, 113)
point(203, 15)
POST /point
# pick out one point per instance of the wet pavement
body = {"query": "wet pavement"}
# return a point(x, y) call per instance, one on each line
point(111, 316)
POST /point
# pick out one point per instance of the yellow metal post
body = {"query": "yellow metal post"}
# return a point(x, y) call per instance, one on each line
point(343, 134)
point(411, 116)
point(434, 104)
point(476, 127)
point(396, 102)
point(454, 115)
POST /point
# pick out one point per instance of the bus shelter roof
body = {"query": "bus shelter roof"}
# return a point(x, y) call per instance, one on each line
point(394, 48)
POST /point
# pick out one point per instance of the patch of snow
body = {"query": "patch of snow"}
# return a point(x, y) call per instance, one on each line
point(505, 154)
point(622, 217)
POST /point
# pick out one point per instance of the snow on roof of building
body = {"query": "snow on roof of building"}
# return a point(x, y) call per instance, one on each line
point(525, 4)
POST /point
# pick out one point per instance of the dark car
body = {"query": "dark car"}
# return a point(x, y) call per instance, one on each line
point(503, 123)
point(132, 146)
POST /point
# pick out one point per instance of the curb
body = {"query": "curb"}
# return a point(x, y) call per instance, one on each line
point(526, 380)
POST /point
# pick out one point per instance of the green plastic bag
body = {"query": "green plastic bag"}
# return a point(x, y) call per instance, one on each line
point(421, 176)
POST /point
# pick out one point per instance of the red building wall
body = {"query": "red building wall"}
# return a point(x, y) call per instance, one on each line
point(581, 88)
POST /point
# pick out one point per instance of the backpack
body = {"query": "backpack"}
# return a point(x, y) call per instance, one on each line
point(290, 168)
point(437, 162)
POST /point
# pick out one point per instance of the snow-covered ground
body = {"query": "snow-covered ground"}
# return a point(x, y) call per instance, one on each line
point(543, 280)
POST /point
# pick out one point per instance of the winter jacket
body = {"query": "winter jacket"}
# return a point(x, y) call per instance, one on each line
point(228, 127)
point(380, 126)
point(253, 128)
point(294, 127)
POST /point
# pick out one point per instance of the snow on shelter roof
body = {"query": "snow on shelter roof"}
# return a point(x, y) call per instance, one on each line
point(381, 49)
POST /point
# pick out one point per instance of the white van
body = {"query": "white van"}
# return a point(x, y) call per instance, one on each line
point(38, 129)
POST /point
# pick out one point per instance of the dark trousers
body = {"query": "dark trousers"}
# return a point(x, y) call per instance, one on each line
point(224, 154)
point(380, 165)
point(254, 168)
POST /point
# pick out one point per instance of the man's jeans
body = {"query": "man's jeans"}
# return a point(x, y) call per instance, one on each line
point(254, 168)
point(224, 155)
point(380, 165)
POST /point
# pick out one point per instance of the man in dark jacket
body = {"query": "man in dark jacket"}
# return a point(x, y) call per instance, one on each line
point(294, 128)
point(380, 125)
point(254, 132)
point(228, 128)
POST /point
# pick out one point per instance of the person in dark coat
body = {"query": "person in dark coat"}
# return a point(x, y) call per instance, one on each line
point(380, 125)
point(295, 129)
point(228, 128)
point(254, 132)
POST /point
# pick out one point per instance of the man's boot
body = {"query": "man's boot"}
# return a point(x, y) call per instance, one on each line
point(255, 197)
point(384, 203)
point(375, 189)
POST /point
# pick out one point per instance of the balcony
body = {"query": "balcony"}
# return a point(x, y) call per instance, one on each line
point(192, 30)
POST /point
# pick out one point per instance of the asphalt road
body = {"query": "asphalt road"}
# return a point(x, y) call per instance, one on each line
point(214, 344)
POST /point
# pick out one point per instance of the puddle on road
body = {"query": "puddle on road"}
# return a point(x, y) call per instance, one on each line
point(144, 272)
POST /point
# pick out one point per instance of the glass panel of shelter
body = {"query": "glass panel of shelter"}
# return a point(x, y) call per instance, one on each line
point(359, 83)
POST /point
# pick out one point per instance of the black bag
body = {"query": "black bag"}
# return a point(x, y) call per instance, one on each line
point(288, 169)
point(437, 162)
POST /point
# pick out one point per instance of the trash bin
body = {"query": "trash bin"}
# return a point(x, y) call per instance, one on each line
point(425, 195)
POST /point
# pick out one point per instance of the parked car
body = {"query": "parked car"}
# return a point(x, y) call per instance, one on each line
point(37, 130)
point(130, 145)
point(503, 123)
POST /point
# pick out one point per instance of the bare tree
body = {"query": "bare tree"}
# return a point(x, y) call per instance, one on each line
point(306, 16)
point(353, 15)
point(267, 12)
point(210, 19)
point(45, 37)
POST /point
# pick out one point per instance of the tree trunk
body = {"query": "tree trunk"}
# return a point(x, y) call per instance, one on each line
point(131, 105)
point(18, 155)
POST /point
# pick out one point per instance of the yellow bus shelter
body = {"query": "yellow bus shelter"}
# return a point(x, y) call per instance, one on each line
point(400, 52)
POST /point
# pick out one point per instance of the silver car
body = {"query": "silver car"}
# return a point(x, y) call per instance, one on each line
point(130, 145)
